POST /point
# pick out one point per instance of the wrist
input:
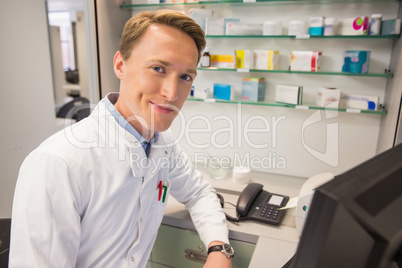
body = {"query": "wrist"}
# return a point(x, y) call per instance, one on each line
point(220, 247)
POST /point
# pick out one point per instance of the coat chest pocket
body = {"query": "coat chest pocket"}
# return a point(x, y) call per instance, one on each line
point(161, 194)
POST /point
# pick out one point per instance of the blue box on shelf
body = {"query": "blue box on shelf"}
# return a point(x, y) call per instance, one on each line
point(356, 61)
point(223, 92)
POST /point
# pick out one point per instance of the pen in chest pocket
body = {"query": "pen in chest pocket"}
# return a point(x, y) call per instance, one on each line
point(162, 187)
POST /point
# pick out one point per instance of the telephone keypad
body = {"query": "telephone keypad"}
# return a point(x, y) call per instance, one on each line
point(267, 207)
point(270, 211)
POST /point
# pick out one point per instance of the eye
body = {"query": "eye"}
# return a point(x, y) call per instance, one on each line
point(158, 69)
point(186, 77)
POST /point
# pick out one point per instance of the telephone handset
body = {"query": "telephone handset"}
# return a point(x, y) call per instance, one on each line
point(247, 197)
point(256, 204)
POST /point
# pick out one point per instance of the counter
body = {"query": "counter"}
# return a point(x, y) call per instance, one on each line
point(275, 244)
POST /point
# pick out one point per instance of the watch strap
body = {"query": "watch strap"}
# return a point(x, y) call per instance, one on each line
point(215, 248)
point(224, 248)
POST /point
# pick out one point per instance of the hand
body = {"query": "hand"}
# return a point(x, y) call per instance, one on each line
point(218, 260)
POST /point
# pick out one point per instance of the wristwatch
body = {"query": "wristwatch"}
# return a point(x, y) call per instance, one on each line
point(224, 248)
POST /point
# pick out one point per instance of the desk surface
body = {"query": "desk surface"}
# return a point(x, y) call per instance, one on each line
point(274, 243)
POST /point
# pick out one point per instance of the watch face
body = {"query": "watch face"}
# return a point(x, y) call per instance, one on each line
point(228, 249)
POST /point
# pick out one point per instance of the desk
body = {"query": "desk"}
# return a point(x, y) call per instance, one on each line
point(275, 244)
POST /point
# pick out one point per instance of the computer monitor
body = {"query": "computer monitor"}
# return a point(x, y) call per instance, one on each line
point(355, 220)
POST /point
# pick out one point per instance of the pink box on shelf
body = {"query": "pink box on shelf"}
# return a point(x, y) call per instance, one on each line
point(308, 61)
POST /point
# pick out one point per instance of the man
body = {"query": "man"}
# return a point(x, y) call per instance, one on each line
point(94, 194)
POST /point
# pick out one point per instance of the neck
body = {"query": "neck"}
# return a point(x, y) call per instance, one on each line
point(132, 120)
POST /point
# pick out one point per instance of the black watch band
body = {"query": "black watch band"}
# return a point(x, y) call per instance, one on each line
point(224, 248)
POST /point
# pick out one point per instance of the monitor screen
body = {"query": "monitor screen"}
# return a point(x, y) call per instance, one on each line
point(355, 220)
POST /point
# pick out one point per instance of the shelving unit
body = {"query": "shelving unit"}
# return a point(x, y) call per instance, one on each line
point(393, 36)
point(236, 3)
point(306, 106)
point(241, 2)
point(360, 132)
point(385, 74)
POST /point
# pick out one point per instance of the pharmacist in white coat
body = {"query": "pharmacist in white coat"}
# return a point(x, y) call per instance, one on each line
point(93, 195)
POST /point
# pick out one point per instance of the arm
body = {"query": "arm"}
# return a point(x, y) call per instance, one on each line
point(45, 228)
point(197, 194)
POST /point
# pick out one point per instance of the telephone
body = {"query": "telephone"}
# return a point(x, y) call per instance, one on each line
point(256, 204)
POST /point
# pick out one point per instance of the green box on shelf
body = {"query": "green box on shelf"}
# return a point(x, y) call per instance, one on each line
point(253, 89)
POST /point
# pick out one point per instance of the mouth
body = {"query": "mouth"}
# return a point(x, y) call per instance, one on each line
point(165, 108)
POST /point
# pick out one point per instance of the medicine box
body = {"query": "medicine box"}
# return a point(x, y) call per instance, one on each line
point(330, 25)
point(199, 15)
point(356, 61)
point(266, 59)
point(353, 26)
point(317, 26)
point(391, 27)
point(253, 89)
point(289, 94)
point(226, 21)
point(241, 28)
point(200, 92)
point(361, 102)
point(305, 61)
point(328, 97)
point(214, 26)
point(222, 61)
point(297, 27)
point(244, 59)
point(224, 92)
point(272, 28)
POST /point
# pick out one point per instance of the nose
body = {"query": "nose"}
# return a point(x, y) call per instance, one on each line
point(170, 89)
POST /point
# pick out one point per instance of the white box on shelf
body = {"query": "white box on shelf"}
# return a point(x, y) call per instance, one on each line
point(241, 28)
point(328, 97)
point(199, 15)
point(214, 26)
point(297, 27)
point(289, 94)
point(201, 92)
point(361, 102)
point(353, 26)
point(272, 28)
point(266, 59)
point(305, 61)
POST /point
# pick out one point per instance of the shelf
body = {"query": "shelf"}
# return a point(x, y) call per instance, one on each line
point(240, 2)
point(386, 75)
point(393, 36)
point(301, 107)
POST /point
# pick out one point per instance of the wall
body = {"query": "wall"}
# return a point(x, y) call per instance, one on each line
point(110, 23)
point(82, 55)
point(291, 141)
point(283, 141)
point(27, 109)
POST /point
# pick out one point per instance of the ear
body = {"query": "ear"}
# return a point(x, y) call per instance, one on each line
point(118, 65)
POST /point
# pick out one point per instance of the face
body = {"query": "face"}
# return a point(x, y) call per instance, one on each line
point(156, 79)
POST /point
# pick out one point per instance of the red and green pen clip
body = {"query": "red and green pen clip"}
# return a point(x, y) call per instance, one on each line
point(164, 188)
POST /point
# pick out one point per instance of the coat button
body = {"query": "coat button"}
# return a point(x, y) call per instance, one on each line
point(132, 259)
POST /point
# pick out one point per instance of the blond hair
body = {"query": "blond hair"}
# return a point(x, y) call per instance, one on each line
point(139, 23)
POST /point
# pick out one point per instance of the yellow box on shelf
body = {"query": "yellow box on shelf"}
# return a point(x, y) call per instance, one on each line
point(244, 59)
point(266, 59)
point(222, 61)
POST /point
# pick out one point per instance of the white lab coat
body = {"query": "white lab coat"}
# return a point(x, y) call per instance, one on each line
point(88, 197)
